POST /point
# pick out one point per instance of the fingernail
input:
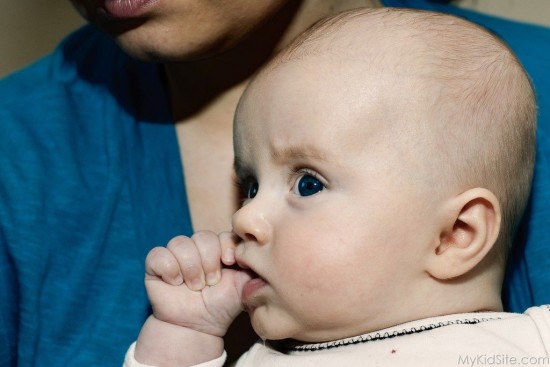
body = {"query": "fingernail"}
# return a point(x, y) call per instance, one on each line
point(229, 255)
point(178, 279)
point(197, 284)
point(213, 278)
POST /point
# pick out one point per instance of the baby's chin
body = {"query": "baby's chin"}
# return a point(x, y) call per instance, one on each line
point(268, 332)
point(280, 335)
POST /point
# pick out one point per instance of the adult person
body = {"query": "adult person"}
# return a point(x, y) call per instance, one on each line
point(92, 147)
point(94, 138)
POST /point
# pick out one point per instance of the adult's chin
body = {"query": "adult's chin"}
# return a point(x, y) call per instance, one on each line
point(147, 43)
point(175, 30)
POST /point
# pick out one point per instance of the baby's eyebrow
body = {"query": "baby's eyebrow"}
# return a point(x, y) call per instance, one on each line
point(301, 152)
point(281, 156)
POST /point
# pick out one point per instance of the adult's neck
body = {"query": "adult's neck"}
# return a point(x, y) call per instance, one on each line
point(194, 86)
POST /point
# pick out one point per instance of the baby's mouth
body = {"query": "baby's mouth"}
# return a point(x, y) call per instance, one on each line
point(250, 292)
point(253, 275)
point(251, 288)
point(243, 266)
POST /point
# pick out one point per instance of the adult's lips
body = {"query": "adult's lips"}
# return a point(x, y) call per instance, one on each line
point(127, 8)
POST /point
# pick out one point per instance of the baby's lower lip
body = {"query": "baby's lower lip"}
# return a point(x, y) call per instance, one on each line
point(251, 287)
point(127, 8)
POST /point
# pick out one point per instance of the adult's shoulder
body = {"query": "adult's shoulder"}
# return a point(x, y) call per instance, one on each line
point(86, 78)
point(84, 59)
point(72, 108)
point(56, 89)
point(84, 46)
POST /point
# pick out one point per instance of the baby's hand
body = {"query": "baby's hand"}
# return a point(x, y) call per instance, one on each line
point(187, 286)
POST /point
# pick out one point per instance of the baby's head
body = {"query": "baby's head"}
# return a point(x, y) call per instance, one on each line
point(387, 157)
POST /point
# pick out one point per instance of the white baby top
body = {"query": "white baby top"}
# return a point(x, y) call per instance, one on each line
point(471, 339)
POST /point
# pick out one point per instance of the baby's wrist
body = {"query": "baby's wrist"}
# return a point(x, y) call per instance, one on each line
point(162, 343)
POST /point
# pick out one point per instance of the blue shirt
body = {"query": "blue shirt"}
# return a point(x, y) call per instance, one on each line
point(528, 278)
point(90, 181)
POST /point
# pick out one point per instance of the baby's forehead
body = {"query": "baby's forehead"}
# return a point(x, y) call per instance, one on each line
point(399, 65)
point(336, 82)
point(323, 102)
point(345, 59)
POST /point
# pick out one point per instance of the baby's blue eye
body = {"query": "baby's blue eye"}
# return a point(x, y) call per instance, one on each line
point(308, 185)
point(252, 190)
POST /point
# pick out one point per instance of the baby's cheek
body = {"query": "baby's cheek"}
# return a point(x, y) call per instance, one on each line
point(312, 274)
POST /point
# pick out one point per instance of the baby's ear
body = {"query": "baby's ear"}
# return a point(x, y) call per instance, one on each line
point(470, 231)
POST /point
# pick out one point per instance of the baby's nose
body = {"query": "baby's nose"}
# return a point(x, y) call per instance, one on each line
point(250, 223)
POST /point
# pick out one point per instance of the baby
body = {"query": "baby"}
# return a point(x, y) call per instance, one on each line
point(385, 160)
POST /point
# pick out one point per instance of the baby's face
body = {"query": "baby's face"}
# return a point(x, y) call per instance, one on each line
point(332, 223)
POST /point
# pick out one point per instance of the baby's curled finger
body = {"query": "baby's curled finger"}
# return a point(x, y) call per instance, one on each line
point(229, 241)
point(209, 247)
point(189, 260)
point(161, 263)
